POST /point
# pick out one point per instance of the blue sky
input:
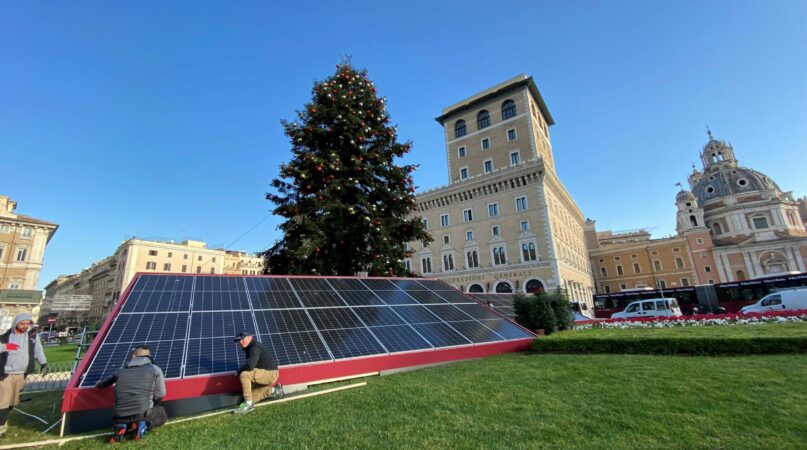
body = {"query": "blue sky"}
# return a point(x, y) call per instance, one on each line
point(161, 119)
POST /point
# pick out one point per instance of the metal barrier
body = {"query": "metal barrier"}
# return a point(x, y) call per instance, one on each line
point(57, 378)
point(60, 372)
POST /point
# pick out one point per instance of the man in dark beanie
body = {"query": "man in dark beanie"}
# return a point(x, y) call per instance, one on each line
point(138, 385)
point(19, 348)
point(258, 375)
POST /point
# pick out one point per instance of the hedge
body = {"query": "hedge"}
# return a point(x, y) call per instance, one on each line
point(673, 346)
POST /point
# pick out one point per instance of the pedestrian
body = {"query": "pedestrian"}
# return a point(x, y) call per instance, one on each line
point(139, 385)
point(258, 375)
point(19, 348)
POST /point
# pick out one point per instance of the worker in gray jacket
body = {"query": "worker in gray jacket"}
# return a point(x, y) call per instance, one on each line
point(138, 384)
point(19, 348)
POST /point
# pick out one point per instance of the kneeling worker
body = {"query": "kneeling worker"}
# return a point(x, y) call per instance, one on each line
point(138, 385)
point(258, 374)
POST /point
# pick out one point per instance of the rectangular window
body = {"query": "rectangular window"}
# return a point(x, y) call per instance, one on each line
point(167, 267)
point(493, 210)
point(679, 262)
point(4, 228)
point(617, 258)
point(603, 271)
point(170, 254)
point(711, 281)
point(521, 203)
point(662, 284)
point(637, 268)
point(707, 269)
point(461, 152)
point(499, 256)
point(619, 270)
point(184, 268)
point(607, 289)
point(760, 223)
point(426, 265)
point(515, 158)
point(495, 230)
point(469, 235)
point(152, 252)
point(199, 258)
point(488, 166)
point(212, 270)
point(467, 215)
point(485, 143)
point(151, 265)
point(27, 232)
point(464, 173)
point(623, 286)
point(684, 282)
point(21, 254)
point(676, 249)
point(699, 240)
point(525, 225)
point(443, 220)
point(657, 265)
point(1, 254)
point(446, 239)
point(511, 134)
point(472, 259)
point(198, 269)
point(185, 256)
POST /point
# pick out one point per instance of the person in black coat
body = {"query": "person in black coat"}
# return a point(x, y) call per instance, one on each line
point(258, 375)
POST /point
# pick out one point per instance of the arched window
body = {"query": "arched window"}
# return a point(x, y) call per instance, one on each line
point(483, 119)
point(741, 276)
point(528, 252)
point(534, 287)
point(504, 288)
point(508, 109)
point(716, 228)
point(693, 221)
point(459, 129)
point(476, 288)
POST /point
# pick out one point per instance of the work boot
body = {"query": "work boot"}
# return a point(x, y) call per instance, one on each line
point(243, 408)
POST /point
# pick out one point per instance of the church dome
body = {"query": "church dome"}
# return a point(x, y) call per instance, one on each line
point(728, 180)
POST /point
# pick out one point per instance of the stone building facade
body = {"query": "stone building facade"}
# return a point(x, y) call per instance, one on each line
point(505, 222)
point(22, 246)
point(106, 279)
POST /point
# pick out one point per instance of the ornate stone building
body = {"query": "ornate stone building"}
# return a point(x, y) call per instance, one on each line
point(505, 222)
point(756, 228)
point(734, 224)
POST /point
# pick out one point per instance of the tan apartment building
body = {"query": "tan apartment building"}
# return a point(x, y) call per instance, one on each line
point(22, 246)
point(632, 260)
point(505, 222)
point(106, 279)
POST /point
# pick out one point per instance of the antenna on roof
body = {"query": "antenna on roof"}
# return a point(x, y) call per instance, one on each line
point(709, 132)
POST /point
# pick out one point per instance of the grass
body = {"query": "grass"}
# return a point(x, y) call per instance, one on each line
point(60, 353)
point(532, 401)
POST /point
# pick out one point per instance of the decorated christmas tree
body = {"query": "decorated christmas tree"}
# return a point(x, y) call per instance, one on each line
point(348, 206)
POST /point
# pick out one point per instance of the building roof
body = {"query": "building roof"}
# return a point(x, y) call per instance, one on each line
point(495, 91)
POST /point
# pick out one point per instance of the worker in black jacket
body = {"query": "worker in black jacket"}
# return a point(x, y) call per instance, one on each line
point(258, 375)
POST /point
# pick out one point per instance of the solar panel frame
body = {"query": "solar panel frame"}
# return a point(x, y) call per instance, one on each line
point(336, 318)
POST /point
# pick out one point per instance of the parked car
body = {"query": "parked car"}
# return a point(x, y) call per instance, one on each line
point(651, 307)
point(778, 301)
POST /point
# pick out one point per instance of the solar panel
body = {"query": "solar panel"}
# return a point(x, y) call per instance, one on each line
point(501, 303)
point(189, 321)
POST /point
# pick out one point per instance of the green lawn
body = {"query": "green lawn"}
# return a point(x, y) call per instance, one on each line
point(786, 329)
point(532, 401)
point(60, 353)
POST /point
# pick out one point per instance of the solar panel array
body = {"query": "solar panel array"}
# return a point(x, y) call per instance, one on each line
point(501, 303)
point(189, 321)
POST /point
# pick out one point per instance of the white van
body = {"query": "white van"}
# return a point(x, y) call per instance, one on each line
point(779, 301)
point(652, 307)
